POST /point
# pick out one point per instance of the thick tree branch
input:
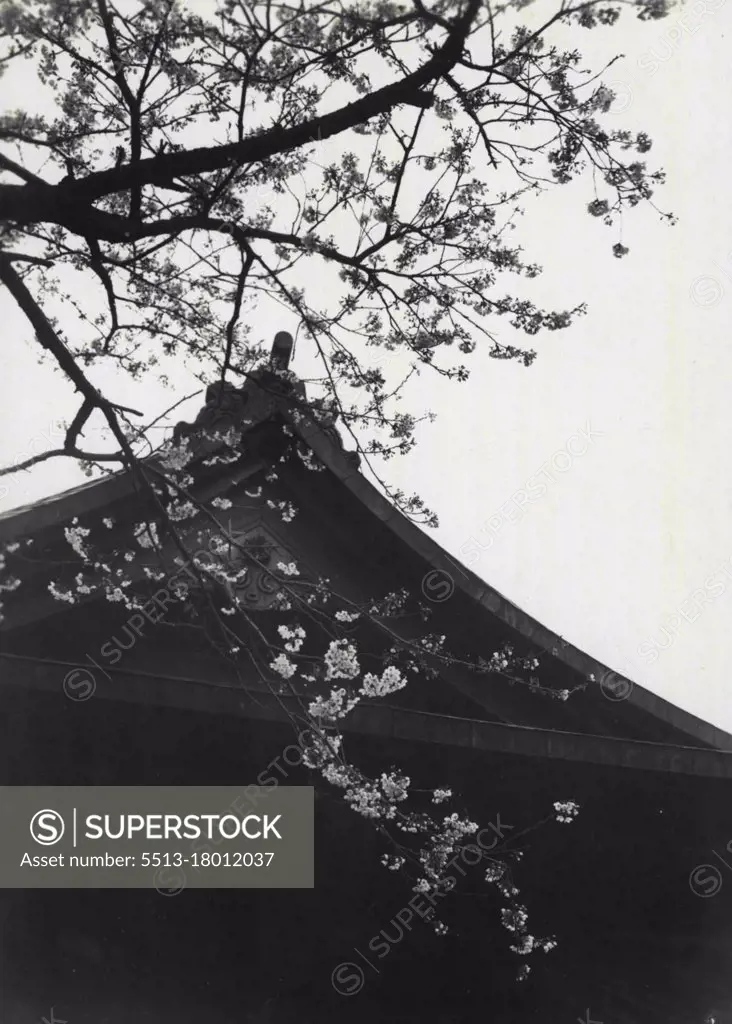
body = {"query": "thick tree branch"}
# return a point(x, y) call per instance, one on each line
point(53, 344)
point(6, 164)
point(21, 257)
point(77, 424)
point(61, 203)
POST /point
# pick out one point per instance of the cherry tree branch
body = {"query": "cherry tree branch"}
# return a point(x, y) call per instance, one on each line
point(49, 339)
point(69, 202)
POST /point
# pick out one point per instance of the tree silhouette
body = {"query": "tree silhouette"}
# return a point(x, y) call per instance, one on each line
point(172, 172)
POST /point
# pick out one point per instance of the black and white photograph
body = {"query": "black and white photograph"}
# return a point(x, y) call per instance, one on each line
point(365, 521)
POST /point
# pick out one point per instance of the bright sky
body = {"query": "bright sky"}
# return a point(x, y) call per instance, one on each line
point(622, 535)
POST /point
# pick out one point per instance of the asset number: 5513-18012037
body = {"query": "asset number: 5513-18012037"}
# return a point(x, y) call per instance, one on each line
point(236, 859)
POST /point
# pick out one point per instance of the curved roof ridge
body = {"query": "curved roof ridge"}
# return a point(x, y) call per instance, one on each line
point(329, 449)
point(490, 598)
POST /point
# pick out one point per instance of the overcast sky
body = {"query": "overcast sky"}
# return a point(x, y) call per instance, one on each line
point(634, 533)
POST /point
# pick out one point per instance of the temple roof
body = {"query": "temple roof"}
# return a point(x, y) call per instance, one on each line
point(618, 709)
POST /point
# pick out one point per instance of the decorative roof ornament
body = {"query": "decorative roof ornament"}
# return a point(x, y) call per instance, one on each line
point(265, 389)
point(229, 406)
point(282, 348)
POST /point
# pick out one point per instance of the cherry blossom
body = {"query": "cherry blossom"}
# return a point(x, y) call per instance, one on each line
point(566, 812)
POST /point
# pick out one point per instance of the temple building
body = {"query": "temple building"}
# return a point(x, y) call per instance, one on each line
point(635, 890)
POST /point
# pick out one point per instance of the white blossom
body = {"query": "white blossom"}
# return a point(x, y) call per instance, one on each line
point(283, 666)
point(337, 775)
point(295, 638)
point(344, 616)
point(286, 509)
point(395, 786)
point(456, 827)
point(367, 802)
point(310, 461)
point(180, 510)
point(75, 535)
point(176, 456)
point(222, 459)
point(81, 587)
point(566, 811)
point(336, 706)
point(495, 871)
point(341, 661)
point(289, 634)
point(524, 946)
point(390, 681)
point(514, 919)
point(61, 595)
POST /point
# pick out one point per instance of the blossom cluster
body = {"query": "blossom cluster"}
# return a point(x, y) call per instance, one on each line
point(283, 666)
point(499, 661)
point(368, 801)
point(294, 637)
point(75, 536)
point(309, 460)
point(176, 456)
point(286, 509)
point(180, 510)
point(344, 616)
point(566, 811)
point(495, 871)
point(341, 661)
point(337, 705)
point(320, 753)
point(392, 862)
point(395, 786)
point(390, 681)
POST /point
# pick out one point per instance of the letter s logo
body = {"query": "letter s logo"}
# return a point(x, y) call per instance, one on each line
point(47, 827)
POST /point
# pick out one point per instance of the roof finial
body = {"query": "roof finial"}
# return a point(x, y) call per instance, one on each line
point(281, 351)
